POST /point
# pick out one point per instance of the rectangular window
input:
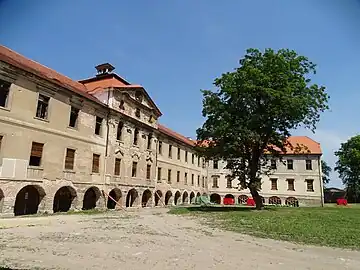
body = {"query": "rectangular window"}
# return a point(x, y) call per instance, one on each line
point(36, 154)
point(198, 160)
point(148, 172)
point(273, 184)
point(4, 93)
point(160, 147)
point(96, 163)
point(185, 178)
point(137, 113)
point(98, 125)
point(186, 156)
point(134, 169)
point(42, 107)
point(192, 179)
point(74, 114)
point(178, 153)
point(1, 137)
point(290, 164)
point(309, 185)
point(117, 166)
point(203, 162)
point(215, 182)
point(178, 176)
point(159, 174)
point(198, 181)
point(216, 164)
point(119, 131)
point(229, 182)
point(203, 181)
point(149, 140)
point(273, 164)
point(169, 176)
point(170, 151)
point(309, 164)
point(136, 136)
point(69, 159)
point(291, 185)
point(192, 158)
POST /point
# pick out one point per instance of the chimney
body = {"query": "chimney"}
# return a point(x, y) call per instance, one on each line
point(105, 68)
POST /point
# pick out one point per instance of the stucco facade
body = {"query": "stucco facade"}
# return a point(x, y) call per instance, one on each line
point(66, 145)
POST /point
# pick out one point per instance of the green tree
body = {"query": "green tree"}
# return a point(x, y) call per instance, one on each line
point(254, 109)
point(326, 170)
point(348, 166)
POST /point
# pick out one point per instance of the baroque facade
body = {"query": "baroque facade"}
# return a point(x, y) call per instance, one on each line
point(68, 144)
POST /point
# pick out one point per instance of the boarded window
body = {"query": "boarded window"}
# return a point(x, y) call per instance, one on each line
point(290, 164)
point(308, 164)
point(178, 153)
point(148, 171)
point(215, 181)
point(273, 164)
point(159, 174)
point(178, 176)
point(216, 164)
point(74, 114)
point(98, 125)
point(136, 136)
point(36, 154)
point(4, 93)
point(134, 169)
point(69, 159)
point(169, 176)
point(170, 151)
point(160, 147)
point(291, 185)
point(119, 130)
point(273, 184)
point(117, 166)
point(192, 179)
point(310, 185)
point(185, 178)
point(42, 107)
point(96, 163)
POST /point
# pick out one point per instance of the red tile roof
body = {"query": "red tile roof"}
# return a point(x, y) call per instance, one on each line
point(173, 134)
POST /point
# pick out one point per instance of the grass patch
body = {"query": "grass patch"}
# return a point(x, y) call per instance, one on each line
point(328, 226)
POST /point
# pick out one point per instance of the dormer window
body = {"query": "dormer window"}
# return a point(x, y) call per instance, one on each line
point(138, 96)
point(137, 112)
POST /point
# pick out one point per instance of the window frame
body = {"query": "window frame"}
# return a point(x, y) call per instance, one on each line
point(291, 180)
point(47, 113)
point(77, 117)
point(65, 159)
point(288, 164)
point(272, 181)
point(98, 165)
point(41, 156)
point(7, 99)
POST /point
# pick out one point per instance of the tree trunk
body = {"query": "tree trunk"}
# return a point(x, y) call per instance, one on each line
point(257, 198)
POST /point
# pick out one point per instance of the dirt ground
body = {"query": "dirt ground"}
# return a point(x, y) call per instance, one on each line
point(150, 239)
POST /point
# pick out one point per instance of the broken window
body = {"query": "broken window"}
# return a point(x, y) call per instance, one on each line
point(117, 166)
point(122, 105)
point(119, 130)
point(310, 185)
point(96, 163)
point(290, 164)
point(134, 169)
point(36, 154)
point(137, 112)
point(42, 107)
point(74, 114)
point(69, 159)
point(273, 184)
point(148, 171)
point(308, 164)
point(4, 92)
point(136, 136)
point(138, 96)
point(149, 141)
point(98, 125)
point(291, 185)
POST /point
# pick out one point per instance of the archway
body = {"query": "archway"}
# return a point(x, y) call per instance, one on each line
point(292, 201)
point(215, 198)
point(131, 197)
point(28, 199)
point(262, 199)
point(116, 194)
point(146, 198)
point(192, 197)
point(229, 196)
point(2, 196)
point(63, 199)
point(91, 197)
point(243, 199)
point(177, 197)
point(157, 196)
point(168, 196)
point(185, 197)
point(198, 194)
point(274, 200)
point(229, 199)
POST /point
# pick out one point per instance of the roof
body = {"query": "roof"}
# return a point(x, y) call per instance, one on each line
point(312, 147)
point(173, 134)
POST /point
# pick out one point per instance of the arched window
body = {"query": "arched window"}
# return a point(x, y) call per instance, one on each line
point(119, 131)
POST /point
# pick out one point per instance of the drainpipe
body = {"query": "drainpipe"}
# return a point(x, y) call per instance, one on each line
point(321, 182)
point(106, 141)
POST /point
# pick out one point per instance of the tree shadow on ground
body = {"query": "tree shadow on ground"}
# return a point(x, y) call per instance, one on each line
point(226, 209)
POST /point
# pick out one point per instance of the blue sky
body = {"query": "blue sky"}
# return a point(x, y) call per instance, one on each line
point(175, 48)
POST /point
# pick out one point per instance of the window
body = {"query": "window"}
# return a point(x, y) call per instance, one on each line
point(178, 176)
point(36, 154)
point(291, 185)
point(309, 185)
point(215, 181)
point(117, 166)
point(203, 181)
point(228, 182)
point(170, 151)
point(308, 164)
point(186, 156)
point(136, 136)
point(160, 147)
point(178, 153)
point(290, 164)
point(273, 164)
point(148, 172)
point(149, 141)
point(203, 162)
point(273, 184)
point(137, 112)
point(74, 114)
point(96, 163)
point(198, 181)
point(138, 96)
point(185, 178)
point(192, 179)
point(122, 105)
point(169, 176)
point(198, 160)
point(134, 169)
point(69, 159)
point(119, 131)
point(1, 137)
point(98, 125)
point(159, 174)
point(216, 164)
point(4, 93)
point(192, 158)
point(42, 107)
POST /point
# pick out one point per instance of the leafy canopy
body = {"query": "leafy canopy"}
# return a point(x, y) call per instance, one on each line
point(256, 106)
point(326, 170)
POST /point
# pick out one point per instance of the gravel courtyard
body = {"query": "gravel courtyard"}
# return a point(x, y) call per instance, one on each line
point(150, 239)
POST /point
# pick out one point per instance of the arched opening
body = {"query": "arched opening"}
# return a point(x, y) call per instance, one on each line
point(116, 194)
point(157, 196)
point(131, 197)
point(185, 197)
point(229, 199)
point(146, 198)
point(215, 198)
point(243, 199)
point(229, 196)
point(292, 201)
point(63, 199)
point(274, 200)
point(28, 199)
point(198, 194)
point(91, 197)
point(192, 197)
point(177, 197)
point(2, 196)
point(262, 199)
point(168, 196)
